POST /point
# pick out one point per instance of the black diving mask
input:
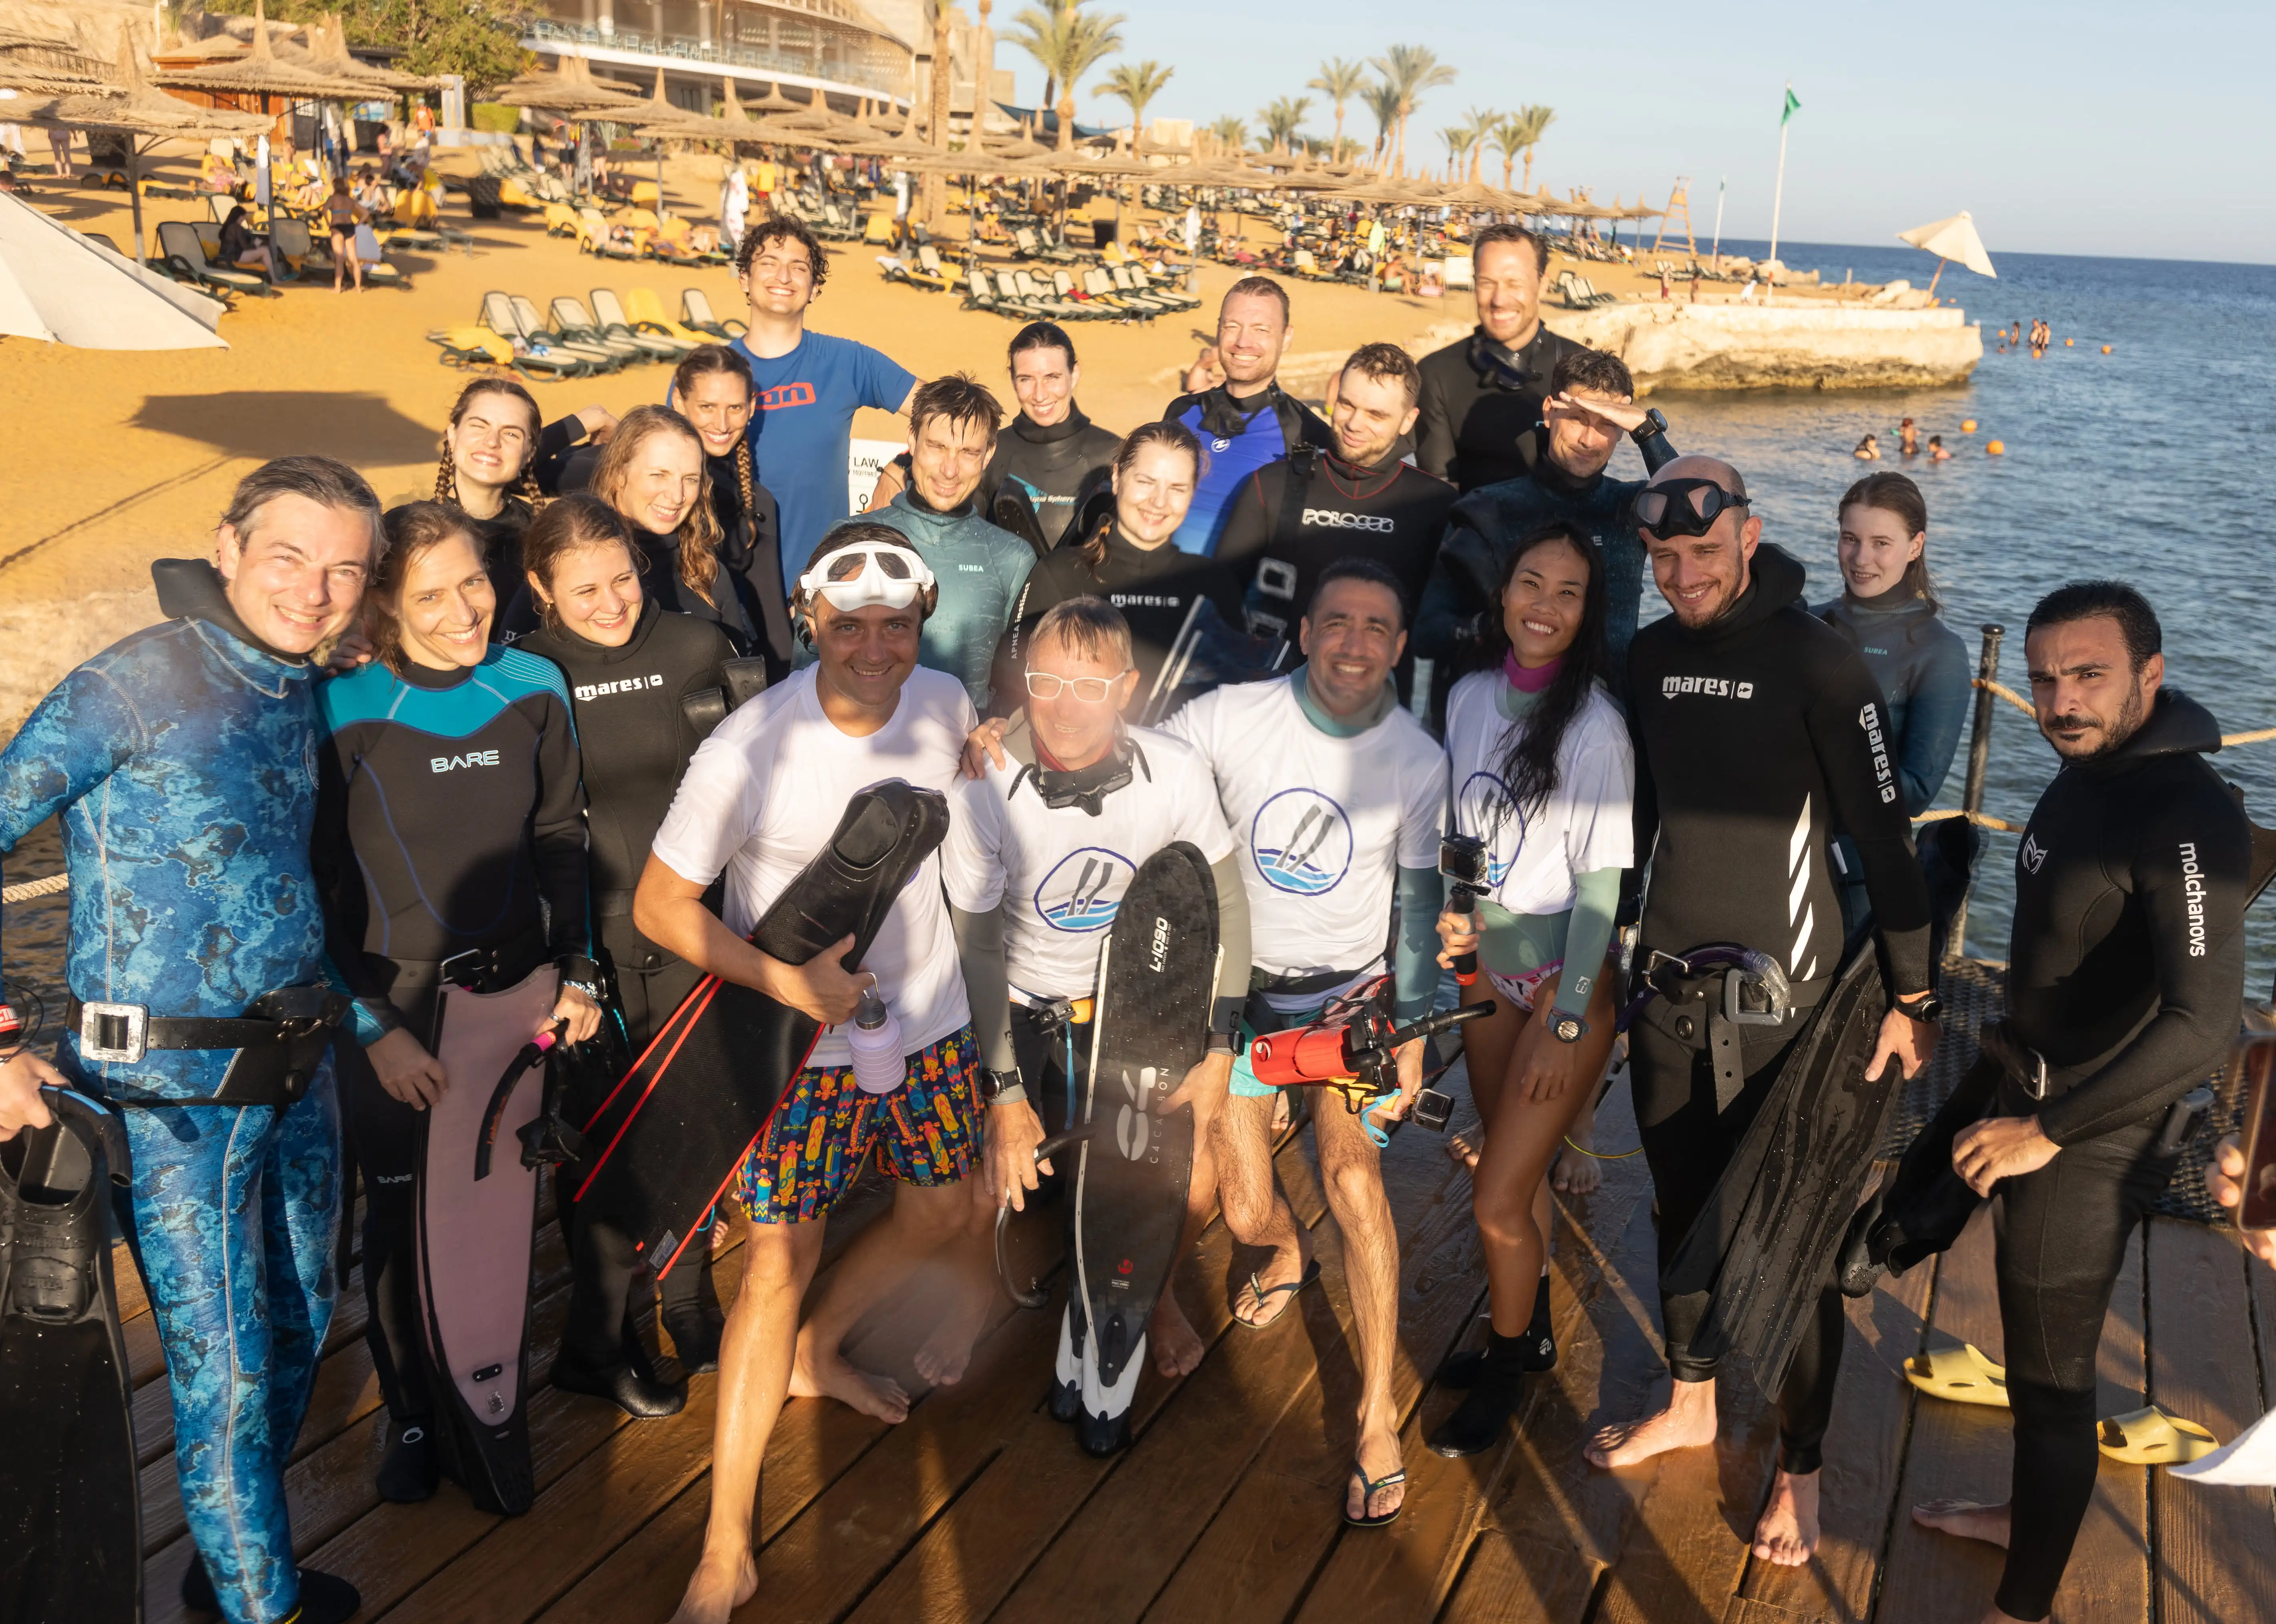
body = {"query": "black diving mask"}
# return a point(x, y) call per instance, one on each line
point(1683, 507)
point(1088, 787)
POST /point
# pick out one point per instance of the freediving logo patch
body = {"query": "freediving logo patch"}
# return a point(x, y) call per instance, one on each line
point(2033, 853)
point(1486, 808)
point(1082, 894)
point(1301, 841)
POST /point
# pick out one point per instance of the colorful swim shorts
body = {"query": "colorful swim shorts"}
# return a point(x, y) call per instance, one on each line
point(1520, 988)
point(926, 1132)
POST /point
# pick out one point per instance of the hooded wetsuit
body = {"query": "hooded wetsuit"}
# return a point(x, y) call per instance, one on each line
point(182, 763)
point(661, 584)
point(451, 809)
point(750, 555)
point(1479, 398)
point(981, 570)
point(1051, 465)
point(1238, 436)
point(1754, 734)
point(2125, 972)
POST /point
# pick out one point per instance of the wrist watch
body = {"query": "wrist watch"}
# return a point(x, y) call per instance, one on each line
point(1002, 1088)
point(1565, 1026)
point(1922, 1006)
point(1222, 1043)
point(1654, 422)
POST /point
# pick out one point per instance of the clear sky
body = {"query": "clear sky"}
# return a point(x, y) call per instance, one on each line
point(2093, 128)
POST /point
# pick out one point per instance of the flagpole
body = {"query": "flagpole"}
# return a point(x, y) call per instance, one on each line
point(1721, 187)
point(1778, 201)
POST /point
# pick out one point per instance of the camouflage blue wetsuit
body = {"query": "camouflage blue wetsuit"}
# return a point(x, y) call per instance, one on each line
point(183, 764)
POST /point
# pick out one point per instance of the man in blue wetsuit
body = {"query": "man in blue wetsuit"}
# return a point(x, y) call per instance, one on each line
point(809, 385)
point(182, 762)
point(1247, 420)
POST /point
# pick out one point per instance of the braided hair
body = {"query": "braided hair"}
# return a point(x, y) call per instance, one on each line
point(715, 361)
point(446, 471)
point(698, 534)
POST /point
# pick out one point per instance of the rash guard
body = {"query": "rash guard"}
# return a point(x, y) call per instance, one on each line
point(1755, 735)
point(981, 570)
point(1239, 435)
point(449, 809)
point(2126, 969)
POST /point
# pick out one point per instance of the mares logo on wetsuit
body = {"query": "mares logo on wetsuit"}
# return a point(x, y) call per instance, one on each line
point(622, 685)
point(1884, 779)
point(1082, 891)
point(1714, 687)
point(1486, 808)
point(2193, 888)
point(1301, 841)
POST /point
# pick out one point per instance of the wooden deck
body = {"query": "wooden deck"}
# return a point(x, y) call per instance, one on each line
point(979, 1506)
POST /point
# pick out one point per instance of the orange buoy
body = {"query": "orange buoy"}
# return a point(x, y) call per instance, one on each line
point(1967, 425)
point(2068, 342)
point(2106, 349)
point(1995, 447)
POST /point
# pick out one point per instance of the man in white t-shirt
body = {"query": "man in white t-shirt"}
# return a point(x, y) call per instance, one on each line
point(1041, 848)
point(1337, 797)
point(760, 801)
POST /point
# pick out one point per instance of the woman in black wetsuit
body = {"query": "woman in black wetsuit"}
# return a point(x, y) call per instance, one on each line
point(633, 670)
point(711, 387)
point(499, 465)
point(1130, 560)
point(449, 810)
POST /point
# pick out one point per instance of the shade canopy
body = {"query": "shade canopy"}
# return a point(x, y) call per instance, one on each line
point(1954, 239)
point(261, 72)
point(65, 288)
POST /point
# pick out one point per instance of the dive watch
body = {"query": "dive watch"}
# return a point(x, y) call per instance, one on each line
point(1922, 1006)
point(1565, 1026)
point(1002, 1087)
point(1655, 422)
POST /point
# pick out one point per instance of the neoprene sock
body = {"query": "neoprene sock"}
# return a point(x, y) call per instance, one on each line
point(1478, 1421)
point(412, 1467)
point(1460, 1370)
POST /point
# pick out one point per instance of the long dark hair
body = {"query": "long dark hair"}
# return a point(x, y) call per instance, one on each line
point(413, 530)
point(1529, 761)
point(717, 360)
point(525, 486)
point(1897, 495)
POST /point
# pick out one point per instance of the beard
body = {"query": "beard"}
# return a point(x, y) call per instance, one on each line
point(2105, 737)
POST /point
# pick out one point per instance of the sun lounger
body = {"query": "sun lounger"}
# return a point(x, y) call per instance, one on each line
point(575, 323)
point(534, 326)
point(499, 316)
point(292, 250)
point(696, 310)
point(472, 346)
point(609, 312)
point(1044, 299)
point(183, 256)
point(645, 310)
point(980, 293)
point(593, 236)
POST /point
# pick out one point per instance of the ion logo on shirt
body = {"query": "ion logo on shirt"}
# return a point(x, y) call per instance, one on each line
point(1486, 810)
point(784, 395)
point(1083, 891)
point(1301, 841)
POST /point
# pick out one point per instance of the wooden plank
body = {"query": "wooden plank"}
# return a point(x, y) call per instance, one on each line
point(1511, 1576)
point(1957, 1451)
point(2216, 1547)
point(2108, 1578)
point(1864, 1457)
point(1407, 1570)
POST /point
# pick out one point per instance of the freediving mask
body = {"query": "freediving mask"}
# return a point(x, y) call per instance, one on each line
point(866, 574)
point(1683, 507)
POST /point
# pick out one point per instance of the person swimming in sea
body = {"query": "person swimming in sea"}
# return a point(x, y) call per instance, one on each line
point(1868, 450)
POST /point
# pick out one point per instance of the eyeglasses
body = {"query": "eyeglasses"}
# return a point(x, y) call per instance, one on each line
point(1088, 690)
point(1683, 506)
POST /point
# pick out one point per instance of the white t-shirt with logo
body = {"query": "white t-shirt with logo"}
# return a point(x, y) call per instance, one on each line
point(1323, 823)
point(764, 795)
point(1588, 822)
point(1065, 871)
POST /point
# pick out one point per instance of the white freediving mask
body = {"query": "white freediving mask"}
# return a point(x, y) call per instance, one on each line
point(863, 574)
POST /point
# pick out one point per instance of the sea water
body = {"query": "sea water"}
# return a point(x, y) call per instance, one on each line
point(2151, 465)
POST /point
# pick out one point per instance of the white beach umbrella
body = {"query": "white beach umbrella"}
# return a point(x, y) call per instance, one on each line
point(1951, 240)
point(65, 288)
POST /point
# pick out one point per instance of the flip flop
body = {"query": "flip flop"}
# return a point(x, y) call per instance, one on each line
point(2153, 1437)
point(1263, 1294)
point(1961, 1374)
point(1368, 1489)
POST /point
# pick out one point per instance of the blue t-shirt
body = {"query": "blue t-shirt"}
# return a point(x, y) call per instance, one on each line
point(1226, 466)
point(802, 434)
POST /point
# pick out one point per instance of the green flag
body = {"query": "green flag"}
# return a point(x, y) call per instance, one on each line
point(1792, 102)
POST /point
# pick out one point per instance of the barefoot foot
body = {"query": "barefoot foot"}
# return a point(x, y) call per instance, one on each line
point(1466, 1149)
point(947, 1353)
point(1969, 1519)
point(820, 1377)
point(1177, 1348)
point(1575, 1173)
point(1688, 1422)
point(717, 1587)
point(1787, 1532)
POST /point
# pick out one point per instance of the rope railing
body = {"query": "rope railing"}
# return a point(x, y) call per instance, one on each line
point(2258, 735)
point(30, 889)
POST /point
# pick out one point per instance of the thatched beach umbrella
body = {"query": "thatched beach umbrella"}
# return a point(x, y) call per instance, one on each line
point(328, 52)
point(261, 73)
point(41, 64)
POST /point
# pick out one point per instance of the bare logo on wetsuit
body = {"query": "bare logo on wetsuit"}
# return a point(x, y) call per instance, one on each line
point(472, 758)
point(2193, 887)
point(2033, 853)
point(1714, 687)
point(1869, 719)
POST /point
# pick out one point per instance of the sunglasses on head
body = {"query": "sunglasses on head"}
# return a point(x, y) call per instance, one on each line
point(1683, 507)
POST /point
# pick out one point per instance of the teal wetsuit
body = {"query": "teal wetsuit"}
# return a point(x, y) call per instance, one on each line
point(981, 570)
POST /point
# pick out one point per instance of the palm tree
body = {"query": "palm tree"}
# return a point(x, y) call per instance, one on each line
point(1340, 81)
point(1283, 119)
point(1478, 126)
point(1410, 70)
point(1137, 86)
point(1068, 41)
point(1518, 133)
point(1230, 134)
point(1382, 100)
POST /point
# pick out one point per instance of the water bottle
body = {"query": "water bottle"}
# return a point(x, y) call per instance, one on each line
point(875, 1036)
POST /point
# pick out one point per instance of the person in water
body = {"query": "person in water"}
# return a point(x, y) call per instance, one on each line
point(1131, 558)
point(762, 799)
point(1936, 452)
point(712, 389)
point(1868, 450)
point(1908, 439)
point(479, 866)
point(1888, 611)
point(188, 749)
point(1545, 775)
point(646, 688)
point(498, 465)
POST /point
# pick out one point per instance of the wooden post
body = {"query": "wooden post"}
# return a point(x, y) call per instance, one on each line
point(1979, 755)
point(943, 18)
